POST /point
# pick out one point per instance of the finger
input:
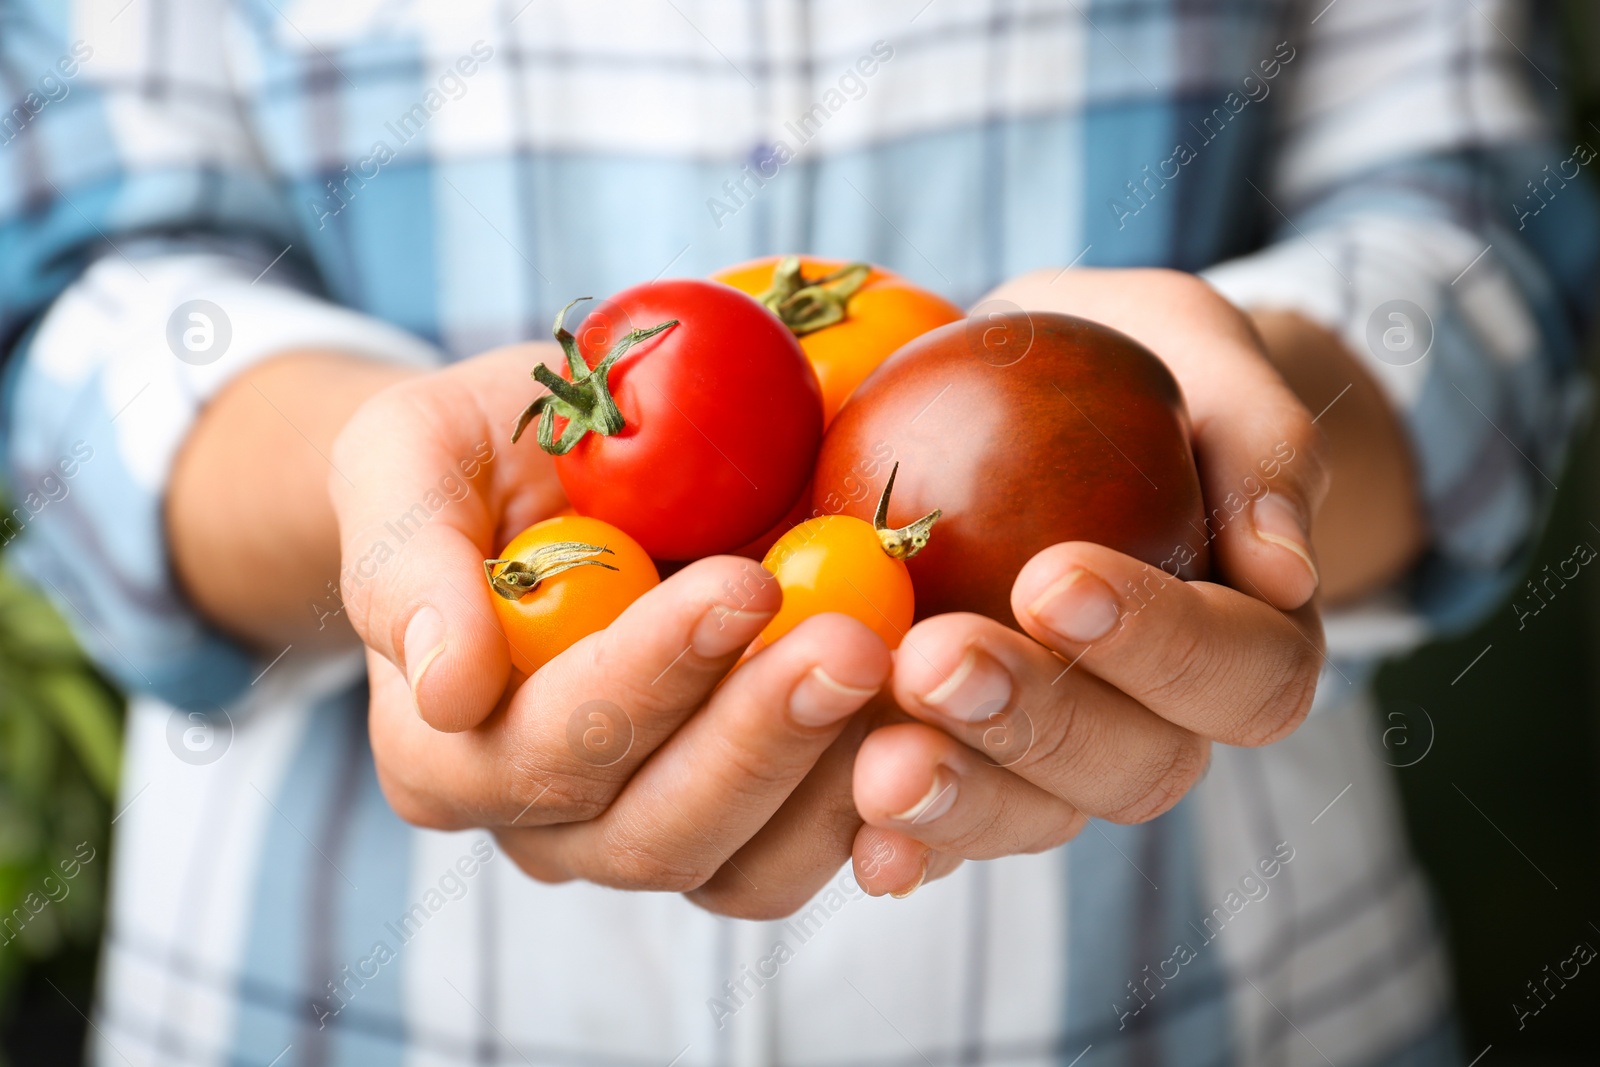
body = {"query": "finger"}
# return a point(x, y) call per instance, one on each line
point(535, 862)
point(416, 764)
point(722, 776)
point(925, 784)
point(805, 842)
point(412, 491)
point(800, 849)
point(1262, 465)
point(1254, 442)
point(1067, 732)
point(563, 743)
point(887, 862)
point(1212, 660)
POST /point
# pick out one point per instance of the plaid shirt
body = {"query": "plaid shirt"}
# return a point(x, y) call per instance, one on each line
point(425, 180)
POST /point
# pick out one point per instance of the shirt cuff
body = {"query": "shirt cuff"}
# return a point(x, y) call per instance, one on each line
point(1443, 326)
point(98, 401)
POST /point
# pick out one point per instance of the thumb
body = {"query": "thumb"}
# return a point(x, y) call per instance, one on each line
point(1263, 474)
point(424, 612)
point(412, 563)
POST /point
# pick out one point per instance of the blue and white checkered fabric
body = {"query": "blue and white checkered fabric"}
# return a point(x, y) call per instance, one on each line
point(411, 179)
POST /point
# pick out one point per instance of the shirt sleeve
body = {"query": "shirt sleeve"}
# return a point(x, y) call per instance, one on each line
point(1428, 215)
point(149, 256)
point(99, 400)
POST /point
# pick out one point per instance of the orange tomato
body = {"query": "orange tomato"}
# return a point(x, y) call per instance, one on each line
point(881, 311)
point(563, 579)
point(834, 563)
point(844, 564)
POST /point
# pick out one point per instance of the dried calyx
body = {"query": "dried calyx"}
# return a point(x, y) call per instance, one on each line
point(519, 577)
point(905, 541)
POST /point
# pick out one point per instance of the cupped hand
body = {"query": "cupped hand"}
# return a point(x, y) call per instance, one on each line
point(1109, 705)
point(633, 759)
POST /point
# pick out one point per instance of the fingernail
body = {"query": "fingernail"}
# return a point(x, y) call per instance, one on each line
point(1079, 607)
point(922, 876)
point(423, 644)
point(723, 629)
point(977, 689)
point(820, 699)
point(939, 799)
point(1278, 522)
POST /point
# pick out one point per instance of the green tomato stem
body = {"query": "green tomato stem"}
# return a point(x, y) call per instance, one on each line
point(808, 306)
point(585, 401)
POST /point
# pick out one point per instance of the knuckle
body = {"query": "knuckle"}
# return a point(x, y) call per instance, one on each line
point(357, 598)
point(747, 772)
point(372, 421)
point(1186, 663)
point(1307, 448)
point(640, 870)
point(638, 696)
point(414, 808)
point(992, 834)
point(1058, 737)
point(562, 798)
point(1190, 291)
point(1286, 698)
point(1059, 833)
point(733, 898)
point(350, 439)
point(1178, 773)
point(1183, 283)
point(643, 864)
point(530, 860)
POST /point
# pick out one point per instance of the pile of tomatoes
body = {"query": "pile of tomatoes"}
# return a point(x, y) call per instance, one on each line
point(770, 412)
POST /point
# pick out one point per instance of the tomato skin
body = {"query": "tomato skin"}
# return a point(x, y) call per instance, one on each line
point(569, 606)
point(800, 512)
point(836, 563)
point(1066, 443)
point(885, 313)
point(722, 420)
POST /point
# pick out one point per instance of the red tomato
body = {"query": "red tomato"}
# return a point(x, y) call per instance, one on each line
point(801, 511)
point(706, 417)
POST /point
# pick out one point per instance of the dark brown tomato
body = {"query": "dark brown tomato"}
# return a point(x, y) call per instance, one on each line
point(1082, 437)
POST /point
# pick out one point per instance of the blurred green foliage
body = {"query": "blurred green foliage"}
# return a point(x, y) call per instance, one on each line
point(60, 740)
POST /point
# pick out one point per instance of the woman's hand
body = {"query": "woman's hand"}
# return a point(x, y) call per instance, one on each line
point(1109, 710)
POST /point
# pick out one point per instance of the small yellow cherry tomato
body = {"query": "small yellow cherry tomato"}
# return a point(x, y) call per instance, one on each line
point(563, 579)
point(840, 563)
point(834, 563)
